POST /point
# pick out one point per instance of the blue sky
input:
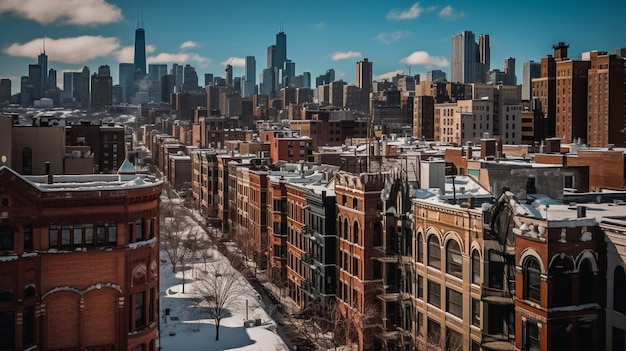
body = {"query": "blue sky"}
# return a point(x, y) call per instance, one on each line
point(320, 34)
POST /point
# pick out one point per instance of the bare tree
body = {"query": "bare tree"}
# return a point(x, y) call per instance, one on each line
point(219, 291)
point(173, 234)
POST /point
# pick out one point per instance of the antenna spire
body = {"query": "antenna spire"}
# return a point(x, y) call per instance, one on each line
point(44, 44)
point(281, 22)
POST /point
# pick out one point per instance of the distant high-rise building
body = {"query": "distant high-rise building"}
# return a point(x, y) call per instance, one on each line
point(249, 81)
point(271, 56)
point(325, 78)
point(237, 84)
point(85, 91)
point(531, 70)
point(289, 72)
point(484, 58)
point(269, 84)
point(42, 61)
point(34, 79)
point(281, 48)
point(190, 80)
point(621, 52)
point(306, 80)
point(470, 60)
point(229, 75)
point(178, 73)
point(140, 57)
point(436, 76)
point(168, 83)
point(208, 79)
point(127, 80)
point(364, 83)
point(5, 91)
point(509, 71)
point(101, 89)
point(52, 79)
point(155, 72)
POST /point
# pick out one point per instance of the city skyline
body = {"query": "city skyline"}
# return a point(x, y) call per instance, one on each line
point(396, 38)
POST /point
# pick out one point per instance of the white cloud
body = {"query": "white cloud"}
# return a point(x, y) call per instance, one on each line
point(235, 61)
point(423, 58)
point(67, 50)
point(390, 37)
point(189, 45)
point(181, 57)
point(413, 12)
point(78, 12)
point(449, 12)
point(388, 75)
point(336, 56)
point(320, 26)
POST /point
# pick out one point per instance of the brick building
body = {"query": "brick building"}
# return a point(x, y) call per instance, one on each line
point(79, 262)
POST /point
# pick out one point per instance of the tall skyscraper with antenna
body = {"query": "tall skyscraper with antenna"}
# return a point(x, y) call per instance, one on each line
point(140, 56)
point(281, 48)
point(42, 61)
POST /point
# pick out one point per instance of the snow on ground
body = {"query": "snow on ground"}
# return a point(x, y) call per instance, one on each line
point(188, 327)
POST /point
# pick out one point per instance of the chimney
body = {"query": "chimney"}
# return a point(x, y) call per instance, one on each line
point(48, 173)
point(581, 212)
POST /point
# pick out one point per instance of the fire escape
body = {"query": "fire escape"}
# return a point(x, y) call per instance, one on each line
point(498, 288)
point(396, 263)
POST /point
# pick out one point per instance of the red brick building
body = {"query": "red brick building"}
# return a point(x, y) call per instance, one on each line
point(79, 262)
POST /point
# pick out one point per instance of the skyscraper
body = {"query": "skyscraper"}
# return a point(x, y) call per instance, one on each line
point(127, 80)
point(271, 56)
point(84, 87)
point(155, 72)
point(484, 58)
point(531, 70)
point(101, 88)
point(5, 90)
point(229, 75)
point(34, 79)
point(364, 83)
point(52, 79)
point(140, 56)
point(289, 72)
point(190, 80)
point(281, 48)
point(509, 71)
point(249, 82)
point(469, 59)
point(42, 61)
point(177, 72)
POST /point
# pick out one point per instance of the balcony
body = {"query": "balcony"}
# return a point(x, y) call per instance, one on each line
point(498, 342)
point(308, 259)
point(496, 296)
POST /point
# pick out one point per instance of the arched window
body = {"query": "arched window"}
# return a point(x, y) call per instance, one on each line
point(619, 290)
point(475, 267)
point(454, 259)
point(420, 248)
point(27, 161)
point(355, 232)
point(532, 280)
point(587, 282)
point(6, 239)
point(345, 228)
point(434, 252)
point(560, 273)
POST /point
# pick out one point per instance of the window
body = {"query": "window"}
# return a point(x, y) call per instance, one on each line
point(78, 234)
point(434, 332)
point(475, 267)
point(619, 290)
point(454, 302)
point(420, 248)
point(454, 340)
point(475, 312)
point(53, 236)
point(89, 234)
point(139, 230)
point(454, 259)
point(532, 280)
point(7, 330)
point(587, 283)
point(100, 233)
point(28, 237)
point(112, 239)
point(378, 235)
point(434, 252)
point(531, 337)
point(27, 161)
point(420, 324)
point(355, 233)
point(420, 287)
point(28, 325)
point(434, 294)
point(6, 239)
point(140, 310)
